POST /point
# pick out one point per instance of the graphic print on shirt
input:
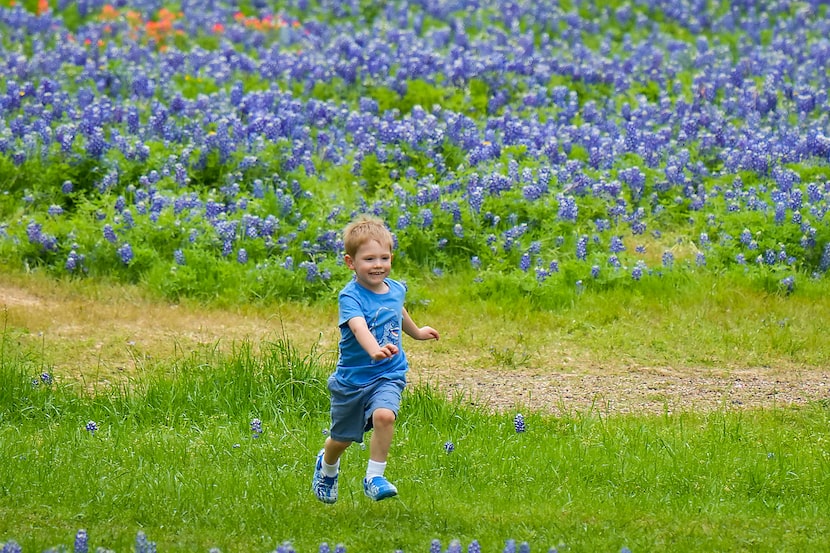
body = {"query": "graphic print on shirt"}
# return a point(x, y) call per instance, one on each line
point(390, 332)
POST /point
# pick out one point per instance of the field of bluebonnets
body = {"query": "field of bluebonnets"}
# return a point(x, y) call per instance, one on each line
point(213, 151)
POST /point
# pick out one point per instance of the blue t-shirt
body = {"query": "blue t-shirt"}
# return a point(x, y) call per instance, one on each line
point(383, 314)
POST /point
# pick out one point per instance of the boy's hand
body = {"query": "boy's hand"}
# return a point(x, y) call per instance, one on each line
point(427, 333)
point(383, 352)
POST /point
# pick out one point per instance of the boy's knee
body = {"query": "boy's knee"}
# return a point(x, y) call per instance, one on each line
point(383, 417)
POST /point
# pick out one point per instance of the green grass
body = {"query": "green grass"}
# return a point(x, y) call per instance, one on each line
point(174, 457)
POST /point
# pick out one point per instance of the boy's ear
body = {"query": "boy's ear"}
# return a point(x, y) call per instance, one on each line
point(349, 261)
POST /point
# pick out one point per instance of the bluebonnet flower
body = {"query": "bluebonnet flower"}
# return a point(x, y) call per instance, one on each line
point(324, 548)
point(595, 271)
point(568, 210)
point(700, 259)
point(524, 262)
point(640, 249)
point(637, 273)
point(55, 210)
point(72, 261)
point(312, 272)
point(510, 546)
point(46, 378)
point(474, 547)
point(740, 259)
point(454, 547)
point(668, 259)
point(81, 542)
point(519, 422)
point(475, 262)
point(256, 427)
point(178, 256)
point(125, 252)
point(524, 547)
point(288, 263)
point(91, 427)
point(242, 256)
point(435, 546)
point(554, 266)
point(109, 234)
point(824, 262)
point(788, 284)
point(582, 248)
point(617, 245)
point(12, 546)
point(340, 548)
point(426, 217)
point(449, 447)
point(143, 545)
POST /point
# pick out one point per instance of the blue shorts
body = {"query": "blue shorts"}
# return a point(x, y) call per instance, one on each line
point(352, 408)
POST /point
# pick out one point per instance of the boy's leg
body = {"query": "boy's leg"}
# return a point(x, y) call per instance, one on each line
point(333, 450)
point(383, 424)
point(375, 485)
point(326, 469)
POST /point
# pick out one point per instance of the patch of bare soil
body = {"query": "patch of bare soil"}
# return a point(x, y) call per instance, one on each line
point(103, 340)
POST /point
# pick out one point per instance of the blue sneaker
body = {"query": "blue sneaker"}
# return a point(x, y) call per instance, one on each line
point(378, 487)
point(324, 487)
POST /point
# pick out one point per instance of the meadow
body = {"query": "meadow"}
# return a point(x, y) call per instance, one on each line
point(573, 188)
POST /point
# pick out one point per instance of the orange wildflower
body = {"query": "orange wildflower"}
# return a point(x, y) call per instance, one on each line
point(108, 13)
point(42, 6)
point(218, 28)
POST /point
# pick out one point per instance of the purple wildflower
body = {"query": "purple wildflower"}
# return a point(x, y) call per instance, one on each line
point(256, 427)
point(125, 252)
point(519, 422)
point(524, 263)
point(81, 542)
point(582, 248)
point(109, 234)
point(91, 427)
point(449, 447)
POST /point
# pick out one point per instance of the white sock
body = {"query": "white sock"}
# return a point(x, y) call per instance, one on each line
point(331, 470)
point(375, 469)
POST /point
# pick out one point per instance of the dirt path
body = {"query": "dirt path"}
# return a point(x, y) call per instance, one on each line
point(102, 339)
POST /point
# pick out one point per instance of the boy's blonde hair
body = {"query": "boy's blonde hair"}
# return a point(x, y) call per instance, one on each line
point(362, 230)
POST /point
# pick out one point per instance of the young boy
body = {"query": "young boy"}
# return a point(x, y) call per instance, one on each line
point(371, 370)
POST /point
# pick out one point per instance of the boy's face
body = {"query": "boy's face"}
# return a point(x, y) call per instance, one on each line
point(371, 264)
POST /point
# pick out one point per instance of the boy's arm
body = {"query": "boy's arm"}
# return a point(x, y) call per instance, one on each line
point(367, 340)
point(413, 330)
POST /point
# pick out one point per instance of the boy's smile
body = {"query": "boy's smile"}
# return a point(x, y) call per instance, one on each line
point(371, 264)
